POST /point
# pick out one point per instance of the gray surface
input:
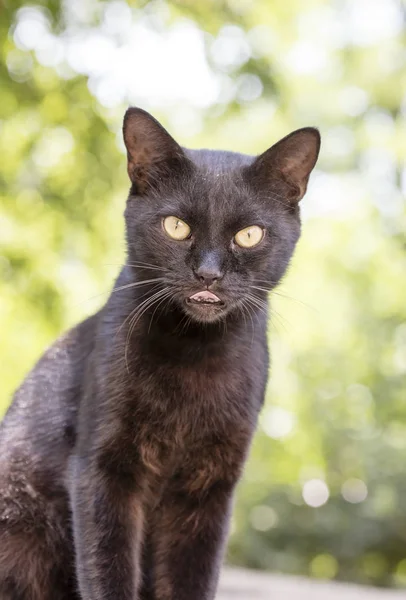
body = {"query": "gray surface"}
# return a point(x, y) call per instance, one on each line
point(238, 584)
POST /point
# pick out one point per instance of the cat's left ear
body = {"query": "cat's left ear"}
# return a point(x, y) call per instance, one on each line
point(292, 159)
point(153, 155)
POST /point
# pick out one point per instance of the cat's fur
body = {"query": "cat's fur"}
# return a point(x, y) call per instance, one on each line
point(120, 453)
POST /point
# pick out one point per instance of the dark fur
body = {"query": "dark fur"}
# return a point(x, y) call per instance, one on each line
point(122, 448)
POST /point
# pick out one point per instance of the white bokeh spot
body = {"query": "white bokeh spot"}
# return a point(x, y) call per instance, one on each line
point(315, 492)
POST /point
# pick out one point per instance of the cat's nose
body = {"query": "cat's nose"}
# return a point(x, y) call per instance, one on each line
point(208, 272)
point(207, 276)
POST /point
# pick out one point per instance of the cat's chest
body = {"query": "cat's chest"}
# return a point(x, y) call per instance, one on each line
point(202, 389)
point(189, 419)
point(174, 411)
point(177, 403)
point(180, 403)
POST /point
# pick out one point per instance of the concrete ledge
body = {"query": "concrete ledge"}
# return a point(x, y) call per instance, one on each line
point(240, 584)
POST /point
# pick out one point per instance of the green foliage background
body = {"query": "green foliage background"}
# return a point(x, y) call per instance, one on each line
point(335, 419)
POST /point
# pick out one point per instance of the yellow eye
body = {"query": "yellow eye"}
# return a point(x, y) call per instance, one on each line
point(249, 237)
point(176, 228)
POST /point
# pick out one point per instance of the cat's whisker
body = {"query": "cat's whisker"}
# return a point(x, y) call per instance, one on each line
point(142, 308)
point(156, 308)
point(134, 309)
point(250, 312)
point(258, 301)
point(282, 295)
point(256, 306)
point(280, 318)
point(266, 281)
point(242, 308)
point(261, 289)
point(183, 324)
point(264, 308)
point(188, 322)
point(138, 283)
point(123, 287)
point(151, 291)
point(277, 319)
point(139, 265)
point(160, 299)
point(304, 304)
point(146, 302)
point(132, 312)
point(148, 266)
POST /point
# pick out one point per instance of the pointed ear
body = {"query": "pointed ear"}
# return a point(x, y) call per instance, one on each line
point(292, 159)
point(151, 152)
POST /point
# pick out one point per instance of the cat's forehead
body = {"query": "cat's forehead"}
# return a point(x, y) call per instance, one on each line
point(218, 161)
point(218, 176)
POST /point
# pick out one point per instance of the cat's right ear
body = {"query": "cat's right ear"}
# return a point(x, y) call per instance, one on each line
point(151, 152)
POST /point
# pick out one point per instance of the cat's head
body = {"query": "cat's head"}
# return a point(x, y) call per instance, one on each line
point(215, 229)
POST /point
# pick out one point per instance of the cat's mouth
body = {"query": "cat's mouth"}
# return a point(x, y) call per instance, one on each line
point(205, 297)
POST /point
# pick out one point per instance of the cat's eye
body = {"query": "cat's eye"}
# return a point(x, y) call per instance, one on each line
point(176, 228)
point(249, 237)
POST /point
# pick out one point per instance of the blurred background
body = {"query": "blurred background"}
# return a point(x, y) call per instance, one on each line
point(324, 491)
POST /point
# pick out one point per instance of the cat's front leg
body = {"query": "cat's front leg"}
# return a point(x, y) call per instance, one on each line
point(191, 524)
point(190, 538)
point(107, 522)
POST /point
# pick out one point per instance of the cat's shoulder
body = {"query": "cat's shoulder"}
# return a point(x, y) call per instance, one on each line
point(56, 377)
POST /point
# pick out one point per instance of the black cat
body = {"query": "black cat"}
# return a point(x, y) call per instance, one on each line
point(121, 451)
